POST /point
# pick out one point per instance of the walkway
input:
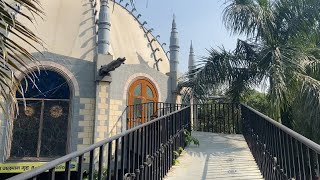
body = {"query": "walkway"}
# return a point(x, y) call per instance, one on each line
point(219, 156)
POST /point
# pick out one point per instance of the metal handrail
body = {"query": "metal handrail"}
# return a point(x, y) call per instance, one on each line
point(217, 118)
point(314, 146)
point(67, 158)
point(149, 111)
point(280, 152)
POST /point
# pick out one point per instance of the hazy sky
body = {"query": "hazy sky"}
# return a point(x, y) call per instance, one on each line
point(199, 21)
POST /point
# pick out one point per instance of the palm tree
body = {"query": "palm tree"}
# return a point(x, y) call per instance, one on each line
point(13, 56)
point(281, 50)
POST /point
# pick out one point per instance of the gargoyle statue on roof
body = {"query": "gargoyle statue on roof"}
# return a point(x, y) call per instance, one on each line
point(106, 69)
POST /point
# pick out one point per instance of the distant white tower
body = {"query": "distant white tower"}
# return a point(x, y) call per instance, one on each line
point(191, 67)
point(191, 64)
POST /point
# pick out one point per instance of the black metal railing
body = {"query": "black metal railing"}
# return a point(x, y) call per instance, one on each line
point(135, 115)
point(143, 152)
point(147, 151)
point(217, 118)
point(141, 113)
point(279, 152)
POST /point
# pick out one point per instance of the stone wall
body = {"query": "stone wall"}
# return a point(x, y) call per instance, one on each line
point(79, 73)
point(122, 78)
point(86, 122)
point(117, 117)
point(106, 108)
point(102, 109)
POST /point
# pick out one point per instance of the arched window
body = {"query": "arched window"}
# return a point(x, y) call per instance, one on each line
point(142, 98)
point(41, 127)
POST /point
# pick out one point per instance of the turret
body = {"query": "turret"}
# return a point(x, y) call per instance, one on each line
point(174, 59)
point(104, 28)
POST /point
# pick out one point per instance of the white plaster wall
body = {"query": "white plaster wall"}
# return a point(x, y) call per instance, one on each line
point(129, 40)
point(69, 29)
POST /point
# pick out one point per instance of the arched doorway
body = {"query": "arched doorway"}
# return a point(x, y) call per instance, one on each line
point(142, 98)
point(40, 130)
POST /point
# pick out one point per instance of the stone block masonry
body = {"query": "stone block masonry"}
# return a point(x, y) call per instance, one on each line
point(117, 116)
point(102, 109)
point(86, 122)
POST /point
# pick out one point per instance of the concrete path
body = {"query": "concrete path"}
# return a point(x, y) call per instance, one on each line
point(219, 156)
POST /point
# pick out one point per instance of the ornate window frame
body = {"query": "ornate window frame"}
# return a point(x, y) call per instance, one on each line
point(74, 92)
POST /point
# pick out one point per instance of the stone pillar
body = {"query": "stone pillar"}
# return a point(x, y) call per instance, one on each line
point(101, 123)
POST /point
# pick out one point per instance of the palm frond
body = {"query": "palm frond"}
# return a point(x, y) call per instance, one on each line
point(253, 18)
point(309, 98)
point(14, 56)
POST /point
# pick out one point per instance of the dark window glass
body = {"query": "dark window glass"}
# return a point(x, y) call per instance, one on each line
point(55, 127)
point(26, 130)
point(48, 85)
point(40, 129)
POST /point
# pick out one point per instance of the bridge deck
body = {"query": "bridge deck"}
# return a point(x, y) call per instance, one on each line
point(219, 156)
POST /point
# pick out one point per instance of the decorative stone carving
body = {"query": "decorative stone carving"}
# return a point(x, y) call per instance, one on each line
point(106, 69)
point(56, 111)
point(29, 111)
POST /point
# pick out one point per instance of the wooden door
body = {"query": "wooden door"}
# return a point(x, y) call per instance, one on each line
point(142, 98)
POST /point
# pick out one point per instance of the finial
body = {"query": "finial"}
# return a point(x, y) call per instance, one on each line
point(191, 47)
point(174, 25)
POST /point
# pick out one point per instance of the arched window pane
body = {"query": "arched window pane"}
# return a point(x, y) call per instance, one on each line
point(40, 130)
point(47, 85)
point(55, 126)
point(137, 107)
point(26, 130)
point(149, 92)
point(137, 90)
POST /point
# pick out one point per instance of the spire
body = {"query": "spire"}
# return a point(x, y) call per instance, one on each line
point(174, 25)
point(191, 65)
point(174, 46)
point(104, 28)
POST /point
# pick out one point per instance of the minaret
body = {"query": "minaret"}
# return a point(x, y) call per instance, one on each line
point(174, 59)
point(104, 28)
point(103, 83)
point(191, 65)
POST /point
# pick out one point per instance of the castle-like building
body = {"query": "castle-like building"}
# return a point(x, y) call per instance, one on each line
point(82, 86)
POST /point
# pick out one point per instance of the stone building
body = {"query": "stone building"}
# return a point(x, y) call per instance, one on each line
point(76, 103)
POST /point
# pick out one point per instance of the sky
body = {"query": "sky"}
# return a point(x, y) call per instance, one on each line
point(199, 21)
